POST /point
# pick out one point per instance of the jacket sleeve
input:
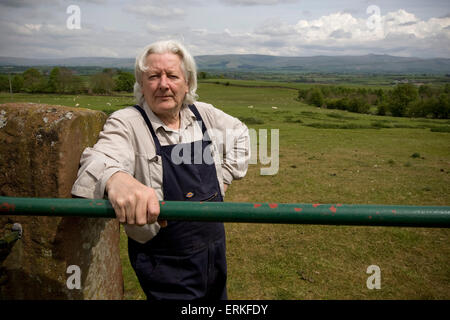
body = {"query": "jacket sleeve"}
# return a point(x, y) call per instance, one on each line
point(113, 152)
point(233, 139)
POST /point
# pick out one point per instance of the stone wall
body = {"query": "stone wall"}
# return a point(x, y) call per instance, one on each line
point(40, 148)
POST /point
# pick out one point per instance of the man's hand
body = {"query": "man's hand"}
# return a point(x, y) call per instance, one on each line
point(133, 202)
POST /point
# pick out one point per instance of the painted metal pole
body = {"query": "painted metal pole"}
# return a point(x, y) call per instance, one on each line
point(294, 213)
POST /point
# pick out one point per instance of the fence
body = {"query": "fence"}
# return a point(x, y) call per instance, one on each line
point(322, 214)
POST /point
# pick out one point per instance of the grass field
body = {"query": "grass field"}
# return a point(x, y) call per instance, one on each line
point(326, 156)
point(272, 84)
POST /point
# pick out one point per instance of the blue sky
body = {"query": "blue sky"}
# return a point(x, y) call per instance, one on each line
point(38, 29)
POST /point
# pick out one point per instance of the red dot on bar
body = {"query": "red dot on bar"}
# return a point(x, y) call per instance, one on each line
point(256, 205)
point(333, 209)
point(298, 209)
point(273, 205)
point(6, 207)
point(315, 205)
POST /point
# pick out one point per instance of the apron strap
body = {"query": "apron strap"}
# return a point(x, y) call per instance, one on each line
point(199, 118)
point(149, 125)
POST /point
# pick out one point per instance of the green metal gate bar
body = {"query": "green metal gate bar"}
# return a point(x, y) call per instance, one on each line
point(293, 213)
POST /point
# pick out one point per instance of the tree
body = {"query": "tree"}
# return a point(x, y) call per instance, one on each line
point(111, 71)
point(425, 91)
point(442, 108)
point(302, 94)
point(202, 75)
point(419, 108)
point(17, 83)
point(381, 111)
point(62, 80)
point(77, 85)
point(4, 83)
point(362, 92)
point(315, 97)
point(326, 91)
point(125, 82)
point(33, 81)
point(380, 96)
point(102, 83)
point(358, 104)
point(53, 80)
point(66, 80)
point(401, 97)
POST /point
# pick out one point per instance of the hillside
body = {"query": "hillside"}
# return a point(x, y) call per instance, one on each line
point(328, 64)
point(380, 64)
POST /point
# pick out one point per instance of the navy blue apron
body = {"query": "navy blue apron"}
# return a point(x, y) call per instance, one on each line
point(186, 260)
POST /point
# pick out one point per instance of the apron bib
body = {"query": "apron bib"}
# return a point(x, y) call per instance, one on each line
point(186, 260)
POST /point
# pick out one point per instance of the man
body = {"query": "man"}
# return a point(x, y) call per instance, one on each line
point(167, 147)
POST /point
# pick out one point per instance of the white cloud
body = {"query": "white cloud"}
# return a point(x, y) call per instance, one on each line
point(153, 28)
point(321, 29)
point(338, 30)
point(33, 27)
point(148, 10)
point(51, 40)
point(275, 27)
point(404, 23)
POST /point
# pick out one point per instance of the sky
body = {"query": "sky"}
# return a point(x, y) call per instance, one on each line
point(102, 28)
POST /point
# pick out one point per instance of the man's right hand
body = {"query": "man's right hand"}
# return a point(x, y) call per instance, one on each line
point(133, 202)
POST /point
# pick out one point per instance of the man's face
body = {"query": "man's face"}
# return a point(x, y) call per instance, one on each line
point(164, 85)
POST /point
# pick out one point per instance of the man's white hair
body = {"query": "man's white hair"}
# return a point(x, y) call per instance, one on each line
point(188, 66)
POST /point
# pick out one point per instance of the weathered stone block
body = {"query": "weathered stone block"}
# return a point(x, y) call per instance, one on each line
point(40, 148)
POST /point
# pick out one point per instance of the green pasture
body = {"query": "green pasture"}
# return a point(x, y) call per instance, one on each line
point(106, 104)
point(282, 84)
point(326, 156)
point(309, 80)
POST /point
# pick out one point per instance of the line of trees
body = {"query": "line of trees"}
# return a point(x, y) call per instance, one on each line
point(404, 100)
point(63, 80)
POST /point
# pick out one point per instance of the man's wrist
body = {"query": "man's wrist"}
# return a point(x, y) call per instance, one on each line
point(109, 177)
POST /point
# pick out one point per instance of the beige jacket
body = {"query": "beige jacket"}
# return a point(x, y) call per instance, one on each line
point(126, 144)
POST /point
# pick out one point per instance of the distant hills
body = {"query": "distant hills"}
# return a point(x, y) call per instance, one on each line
point(328, 64)
point(380, 64)
point(126, 63)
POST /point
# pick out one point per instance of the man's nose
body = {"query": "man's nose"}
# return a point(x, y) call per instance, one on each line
point(163, 84)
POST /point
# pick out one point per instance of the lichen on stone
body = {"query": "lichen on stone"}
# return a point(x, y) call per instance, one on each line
point(3, 119)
